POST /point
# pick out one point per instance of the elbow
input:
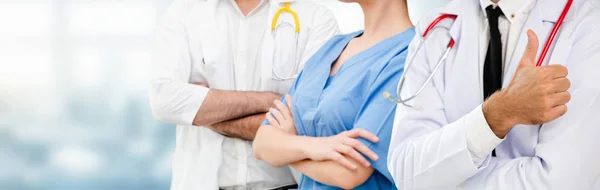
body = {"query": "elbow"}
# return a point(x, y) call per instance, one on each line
point(160, 106)
point(350, 184)
point(159, 110)
point(351, 180)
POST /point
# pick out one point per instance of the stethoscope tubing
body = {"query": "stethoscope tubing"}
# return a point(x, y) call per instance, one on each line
point(287, 8)
point(431, 26)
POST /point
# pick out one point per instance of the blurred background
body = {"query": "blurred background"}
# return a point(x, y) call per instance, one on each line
point(74, 111)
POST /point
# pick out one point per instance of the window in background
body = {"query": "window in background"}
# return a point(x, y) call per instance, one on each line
point(74, 112)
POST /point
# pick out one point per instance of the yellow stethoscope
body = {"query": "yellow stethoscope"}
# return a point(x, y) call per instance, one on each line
point(274, 27)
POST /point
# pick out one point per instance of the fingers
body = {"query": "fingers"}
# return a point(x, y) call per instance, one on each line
point(556, 71)
point(337, 157)
point(530, 54)
point(560, 98)
point(555, 113)
point(285, 111)
point(272, 120)
point(560, 85)
point(278, 115)
point(352, 153)
point(358, 132)
point(357, 145)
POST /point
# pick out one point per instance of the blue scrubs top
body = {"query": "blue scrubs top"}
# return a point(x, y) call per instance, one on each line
point(326, 105)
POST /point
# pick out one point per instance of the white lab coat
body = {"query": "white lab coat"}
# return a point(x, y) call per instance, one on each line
point(197, 53)
point(429, 146)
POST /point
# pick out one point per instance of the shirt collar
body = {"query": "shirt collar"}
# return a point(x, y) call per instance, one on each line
point(257, 8)
point(512, 9)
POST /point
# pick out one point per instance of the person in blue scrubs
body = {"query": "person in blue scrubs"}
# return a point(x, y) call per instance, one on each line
point(335, 125)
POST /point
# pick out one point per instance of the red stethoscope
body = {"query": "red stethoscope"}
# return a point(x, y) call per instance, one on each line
point(433, 24)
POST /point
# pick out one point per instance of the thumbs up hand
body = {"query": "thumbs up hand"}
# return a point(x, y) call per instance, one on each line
point(535, 95)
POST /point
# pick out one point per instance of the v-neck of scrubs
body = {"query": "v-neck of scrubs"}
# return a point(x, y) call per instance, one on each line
point(356, 58)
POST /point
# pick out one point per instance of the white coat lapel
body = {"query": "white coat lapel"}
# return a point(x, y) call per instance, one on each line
point(463, 60)
point(541, 20)
point(561, 48)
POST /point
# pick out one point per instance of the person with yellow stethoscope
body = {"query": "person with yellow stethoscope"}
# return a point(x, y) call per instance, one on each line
point(219, 66)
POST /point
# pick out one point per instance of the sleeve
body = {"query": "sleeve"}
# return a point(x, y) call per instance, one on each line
point(325, 26)
point(567, 154)
point(172, 98)
point(426, 150)
point(376, 114)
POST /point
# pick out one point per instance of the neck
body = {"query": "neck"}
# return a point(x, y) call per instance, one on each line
point(385, 18)
point(247, 5)
point(495, 1)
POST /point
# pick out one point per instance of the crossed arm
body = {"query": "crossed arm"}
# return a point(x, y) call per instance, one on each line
point(234, 114)
point(334, 160)
point(309, 156)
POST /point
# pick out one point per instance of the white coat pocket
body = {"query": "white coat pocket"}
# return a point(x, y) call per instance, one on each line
point(285, 58)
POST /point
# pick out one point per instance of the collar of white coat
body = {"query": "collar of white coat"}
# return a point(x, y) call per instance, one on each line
point(550, 10)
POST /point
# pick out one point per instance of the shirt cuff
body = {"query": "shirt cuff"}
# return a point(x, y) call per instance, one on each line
point(481, 140)
point(183, 108)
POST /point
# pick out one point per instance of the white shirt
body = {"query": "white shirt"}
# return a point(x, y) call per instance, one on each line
point(480, 138)
point(181, 60)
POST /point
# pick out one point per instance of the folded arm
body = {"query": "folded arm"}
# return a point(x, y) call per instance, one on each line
point(334, 174)
point(307, 154)
point(221, 106)
point(243, 128)
point(175, 99)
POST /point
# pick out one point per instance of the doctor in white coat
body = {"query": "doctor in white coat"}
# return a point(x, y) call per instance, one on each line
point(217, 71)
point(447, 139)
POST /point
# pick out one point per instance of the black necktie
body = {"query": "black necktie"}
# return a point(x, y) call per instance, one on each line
point(492, 70)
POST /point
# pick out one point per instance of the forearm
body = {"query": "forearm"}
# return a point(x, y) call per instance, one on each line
point(243, 128)
point(334, 174)
point(220, 106)
point(278, 148)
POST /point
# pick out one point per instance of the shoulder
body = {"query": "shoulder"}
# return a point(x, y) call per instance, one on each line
point(433, 14)
point(181, 11)
point(586, 23)
point(327, 50)
point(397, 62)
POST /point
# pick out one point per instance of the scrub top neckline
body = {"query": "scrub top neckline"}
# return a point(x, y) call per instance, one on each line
point(379, 46)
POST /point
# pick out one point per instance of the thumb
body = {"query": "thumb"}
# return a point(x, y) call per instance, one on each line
point(530, 54)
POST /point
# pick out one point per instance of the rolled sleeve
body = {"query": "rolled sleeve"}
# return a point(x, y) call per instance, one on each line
point(481, 140)
point(172, 98)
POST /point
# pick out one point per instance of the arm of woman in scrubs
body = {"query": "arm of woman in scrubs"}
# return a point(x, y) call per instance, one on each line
point(313, 155)
point(375, 116)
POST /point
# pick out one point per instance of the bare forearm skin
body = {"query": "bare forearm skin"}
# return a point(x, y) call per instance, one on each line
point(278, 148)
point(220, 106)
point(334, 174)
point(243, 128)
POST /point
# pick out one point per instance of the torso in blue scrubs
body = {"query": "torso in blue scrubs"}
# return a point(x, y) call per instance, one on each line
point(326, 105)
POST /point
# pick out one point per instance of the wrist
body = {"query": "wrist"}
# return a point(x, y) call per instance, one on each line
point(498, 114)
point(268, 101)
point(305, 145)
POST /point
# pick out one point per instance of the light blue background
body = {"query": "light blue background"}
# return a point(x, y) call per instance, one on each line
point(74, 112)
